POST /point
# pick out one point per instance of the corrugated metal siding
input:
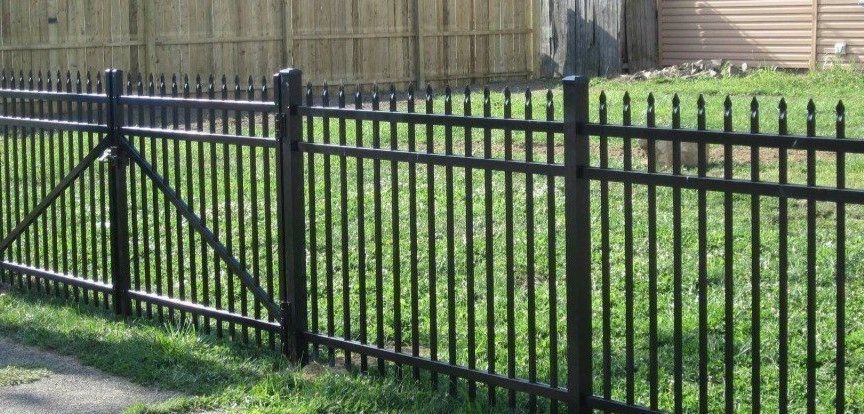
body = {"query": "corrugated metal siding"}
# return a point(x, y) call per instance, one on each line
point(762, 32)
point(841, 21)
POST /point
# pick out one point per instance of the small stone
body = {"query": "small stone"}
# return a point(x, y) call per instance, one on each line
point(702, 68)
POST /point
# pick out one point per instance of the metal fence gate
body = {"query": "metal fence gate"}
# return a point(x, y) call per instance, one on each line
point(118, 246)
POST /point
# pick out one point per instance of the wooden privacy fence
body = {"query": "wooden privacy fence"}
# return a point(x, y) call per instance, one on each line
point(351, 41)
point(430, 243)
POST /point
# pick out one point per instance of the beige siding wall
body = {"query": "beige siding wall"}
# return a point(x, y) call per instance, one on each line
point(769, 32)
point(841, 21)
point(763, 32)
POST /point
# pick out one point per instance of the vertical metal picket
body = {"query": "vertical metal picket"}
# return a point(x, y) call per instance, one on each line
point(118, 207)
point(578, 242)
point(291, 220)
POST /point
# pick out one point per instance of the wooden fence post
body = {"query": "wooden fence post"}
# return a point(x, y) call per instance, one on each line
point(578, 242)
point(286, 18)
point(292, 225)
point(148, 35)
point(118, 207)
point(419, 58)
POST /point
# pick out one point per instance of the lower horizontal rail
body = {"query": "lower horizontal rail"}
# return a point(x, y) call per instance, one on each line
point(457, 161)
point(609, 406)
point(57, 277)
point(538, 389)
point(202, 310)
point(769, 189)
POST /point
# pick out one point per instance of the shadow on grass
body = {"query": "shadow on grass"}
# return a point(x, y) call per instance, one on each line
point(166, 356)
point(213, 372)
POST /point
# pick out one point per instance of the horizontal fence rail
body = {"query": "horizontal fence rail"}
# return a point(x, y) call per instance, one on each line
point(517, 247)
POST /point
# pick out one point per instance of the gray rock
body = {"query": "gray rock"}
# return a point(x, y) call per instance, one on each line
point(663, 152)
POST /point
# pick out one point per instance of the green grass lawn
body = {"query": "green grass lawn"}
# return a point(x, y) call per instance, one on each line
point(543, 277)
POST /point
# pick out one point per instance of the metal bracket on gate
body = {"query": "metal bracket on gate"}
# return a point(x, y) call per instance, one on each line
point(281, 119)
point(114, 155)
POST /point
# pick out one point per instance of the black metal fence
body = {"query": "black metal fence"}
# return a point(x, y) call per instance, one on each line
point(543, 260)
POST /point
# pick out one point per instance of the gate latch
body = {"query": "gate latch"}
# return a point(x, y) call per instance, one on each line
point(112, 155)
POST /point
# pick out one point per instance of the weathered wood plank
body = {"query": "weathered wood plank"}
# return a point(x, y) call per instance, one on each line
point(595, 37)
point(642, 36)
point(557, 46)
point(337, 40)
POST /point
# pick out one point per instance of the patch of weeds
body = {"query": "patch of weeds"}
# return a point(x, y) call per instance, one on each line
point(17, 375)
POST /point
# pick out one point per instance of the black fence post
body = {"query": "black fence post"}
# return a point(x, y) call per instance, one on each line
point(578, 241)
point(292, 226)
point(118, 207)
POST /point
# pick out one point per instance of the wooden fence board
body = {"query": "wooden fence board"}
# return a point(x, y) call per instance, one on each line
point(351, 41)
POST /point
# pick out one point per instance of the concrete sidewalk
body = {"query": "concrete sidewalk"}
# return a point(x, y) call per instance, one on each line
point(70, 387)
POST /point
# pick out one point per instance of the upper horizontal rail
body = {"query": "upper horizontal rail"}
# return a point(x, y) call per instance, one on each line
point(434, 119)
point(220, 104)
point(54, 96)
point(792, 142)
point(52, 124)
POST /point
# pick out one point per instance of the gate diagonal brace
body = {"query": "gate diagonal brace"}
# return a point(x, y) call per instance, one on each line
point(233, 264)
point(65, 183)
